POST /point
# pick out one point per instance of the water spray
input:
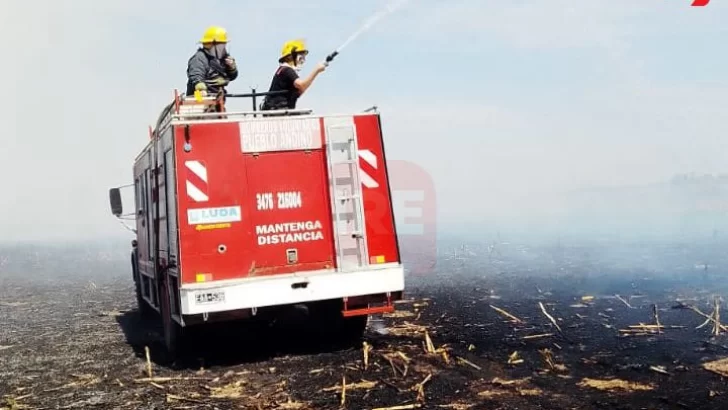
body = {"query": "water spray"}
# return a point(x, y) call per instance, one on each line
point(391, 8)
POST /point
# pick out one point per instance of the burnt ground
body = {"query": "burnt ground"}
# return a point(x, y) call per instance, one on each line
point(77, 342)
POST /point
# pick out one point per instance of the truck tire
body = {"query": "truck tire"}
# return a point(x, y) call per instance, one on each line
point(175, 336)
point(330, 327)
point(351, 331)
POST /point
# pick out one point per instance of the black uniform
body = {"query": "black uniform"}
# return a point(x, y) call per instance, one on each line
point(283, 80)
point(202, 67)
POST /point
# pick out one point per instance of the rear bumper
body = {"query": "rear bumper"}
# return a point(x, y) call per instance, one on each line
point(288, 289)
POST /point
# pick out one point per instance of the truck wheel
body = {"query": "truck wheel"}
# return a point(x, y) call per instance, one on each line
point(172, 337)
point(351, 330)
point(331, 327)
point(174, 333)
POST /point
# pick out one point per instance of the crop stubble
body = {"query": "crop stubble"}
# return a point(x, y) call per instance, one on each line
point(467, 342)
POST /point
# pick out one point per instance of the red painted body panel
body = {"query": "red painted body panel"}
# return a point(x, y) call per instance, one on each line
point(378, 213)
point(222, 176)
point(213, 145)
point(272, 175)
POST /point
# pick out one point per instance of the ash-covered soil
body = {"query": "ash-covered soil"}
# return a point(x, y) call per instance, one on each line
point(471, 335)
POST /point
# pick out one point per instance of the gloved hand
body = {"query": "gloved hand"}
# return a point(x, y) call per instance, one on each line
point(219, 81)
point(321, 67)
point(202, 88)
point(230, 62)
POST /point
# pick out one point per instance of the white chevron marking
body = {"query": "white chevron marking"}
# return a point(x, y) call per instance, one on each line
point(367, 180)
point(197, 168)
point(195, 193)
point(368, 157)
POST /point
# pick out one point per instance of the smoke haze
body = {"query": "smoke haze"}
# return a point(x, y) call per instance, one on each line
point(555, 117)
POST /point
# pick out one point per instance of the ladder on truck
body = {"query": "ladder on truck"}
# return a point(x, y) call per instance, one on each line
point(346, 195)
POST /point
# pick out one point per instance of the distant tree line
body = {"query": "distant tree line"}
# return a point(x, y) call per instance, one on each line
point(694, 178)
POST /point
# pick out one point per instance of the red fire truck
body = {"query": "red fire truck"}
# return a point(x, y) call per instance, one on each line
point(241, 213)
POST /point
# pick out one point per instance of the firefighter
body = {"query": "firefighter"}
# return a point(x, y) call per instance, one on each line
point(286, 78)
point(211, 68)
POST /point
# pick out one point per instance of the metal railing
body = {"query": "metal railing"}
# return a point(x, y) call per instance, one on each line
point(188, 109)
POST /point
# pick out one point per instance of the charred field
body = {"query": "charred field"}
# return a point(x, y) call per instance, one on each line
point(494, 326)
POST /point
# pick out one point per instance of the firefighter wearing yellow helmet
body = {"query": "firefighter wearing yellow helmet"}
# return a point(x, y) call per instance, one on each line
point(211, 68)
point(286, 78)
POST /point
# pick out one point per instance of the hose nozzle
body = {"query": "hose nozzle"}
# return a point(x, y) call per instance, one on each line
point(331, 56)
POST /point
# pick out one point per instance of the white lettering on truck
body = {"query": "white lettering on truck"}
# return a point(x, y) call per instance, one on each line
point(289, 232)
point(280, 134)
point(265, 201)
point(287, 200)
point(213, 215)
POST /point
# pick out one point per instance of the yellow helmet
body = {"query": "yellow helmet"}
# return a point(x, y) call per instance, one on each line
point(293, 46)
point(214, 34)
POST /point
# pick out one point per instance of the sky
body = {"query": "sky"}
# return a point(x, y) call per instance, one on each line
point(493, 100)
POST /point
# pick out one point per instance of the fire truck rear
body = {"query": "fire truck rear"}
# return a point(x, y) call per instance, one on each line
point(240, 215)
